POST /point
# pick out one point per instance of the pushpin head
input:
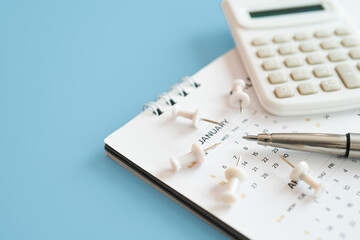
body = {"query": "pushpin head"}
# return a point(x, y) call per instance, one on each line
point(175, 164)
point(198, 152)
point(299, 170)
point(235, 172)
point(236, 97)
point(197, 118)
point(235, 176)
point(238, 83)
point(229, 197)
point(175, 112)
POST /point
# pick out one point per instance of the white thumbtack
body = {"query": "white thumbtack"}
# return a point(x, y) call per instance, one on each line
point(301, 172)
point(238, 98)
point(235, 176)
point(196, 154)
point(196, 116)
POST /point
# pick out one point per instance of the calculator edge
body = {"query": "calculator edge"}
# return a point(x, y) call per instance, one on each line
point(251, 71)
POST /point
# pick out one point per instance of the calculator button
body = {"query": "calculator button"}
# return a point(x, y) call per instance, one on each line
point(260, 41)
point(336, 56)
point(281, 38)
point(329, 85)
point(322, 33)
point(301, 36)
point(293, 61)
point(283, 91)
point(350, 42)
point(307, 88)
point(322, 71)
point(329, 44)
point(315, 59)
point(348, 75)
point(287, 49)
point(308, 47)
point(300, 74)
point(265, 52)
point(355, 53)
point(342, 31)
point(271, 64)
point(277, 77)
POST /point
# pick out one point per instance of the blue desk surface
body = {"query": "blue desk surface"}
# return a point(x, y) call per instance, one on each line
point(72, 72)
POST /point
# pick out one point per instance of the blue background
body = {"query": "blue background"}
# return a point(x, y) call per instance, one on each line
point(72, 72)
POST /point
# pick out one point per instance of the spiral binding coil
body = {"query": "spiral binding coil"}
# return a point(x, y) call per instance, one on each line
point(154, 107)
point(169, 100)
point(177, 89)
point(190, 80)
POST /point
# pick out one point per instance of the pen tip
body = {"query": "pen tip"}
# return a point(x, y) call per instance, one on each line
point(250, 137)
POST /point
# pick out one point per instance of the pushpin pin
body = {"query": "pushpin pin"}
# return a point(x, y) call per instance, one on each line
point(301, 171)
point(196, 116)
point(196, 154)
point(238, 98)
point(235, 176)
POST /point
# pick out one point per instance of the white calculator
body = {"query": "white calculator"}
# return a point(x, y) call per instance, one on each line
point(303, 57)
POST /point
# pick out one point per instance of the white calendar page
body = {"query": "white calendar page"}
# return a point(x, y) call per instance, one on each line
point(270, 206)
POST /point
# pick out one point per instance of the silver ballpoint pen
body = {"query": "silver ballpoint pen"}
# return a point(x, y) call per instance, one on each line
point(347, 145)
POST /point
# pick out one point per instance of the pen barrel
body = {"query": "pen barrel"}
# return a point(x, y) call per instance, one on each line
point(310, 142)
point(354, 145)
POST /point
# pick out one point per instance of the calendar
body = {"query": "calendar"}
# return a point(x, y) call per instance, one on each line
point(270, 205)
point(283, 203)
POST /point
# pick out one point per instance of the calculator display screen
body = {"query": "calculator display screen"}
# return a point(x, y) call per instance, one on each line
point(283, 11)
